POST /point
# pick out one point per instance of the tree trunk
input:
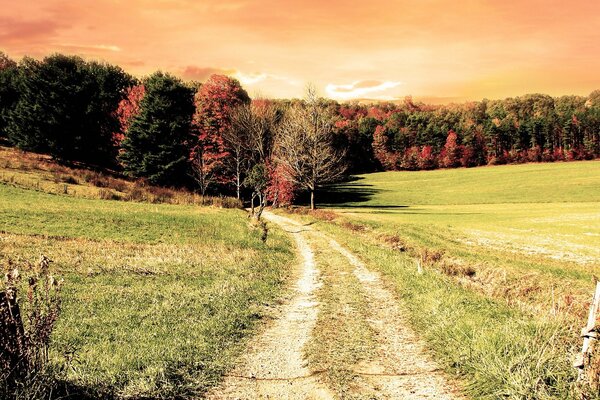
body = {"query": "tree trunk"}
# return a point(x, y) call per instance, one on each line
point(237, 176)
point(252, 204)
point(312, 199)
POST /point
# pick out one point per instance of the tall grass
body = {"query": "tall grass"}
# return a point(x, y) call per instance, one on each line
point(157, 300)
point(38, 172)
point(497, 350)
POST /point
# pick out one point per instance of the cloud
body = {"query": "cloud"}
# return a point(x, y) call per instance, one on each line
point(250, 79)
point(202, 73)
point(18, 31)
point(360, 89)
point(90, 47)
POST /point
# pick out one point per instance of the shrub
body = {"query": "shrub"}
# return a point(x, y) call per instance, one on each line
point(160, 194)
point(224, 202)
point(107, 194)
point(136, 194)
point(117, 184)
point(96, 179)
point(66, 179)
point(31, 377)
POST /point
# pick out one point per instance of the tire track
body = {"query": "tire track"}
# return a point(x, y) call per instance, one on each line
point(274, 366)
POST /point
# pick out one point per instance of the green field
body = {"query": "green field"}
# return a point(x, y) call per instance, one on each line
point(538, 224)
point(157, 298)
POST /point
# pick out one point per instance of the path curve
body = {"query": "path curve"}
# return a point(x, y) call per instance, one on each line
point(274, 366)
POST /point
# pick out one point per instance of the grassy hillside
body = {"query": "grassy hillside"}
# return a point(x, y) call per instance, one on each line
point(157, 298)
point(525, 183)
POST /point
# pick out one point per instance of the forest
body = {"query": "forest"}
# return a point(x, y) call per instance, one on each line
point(212, 137)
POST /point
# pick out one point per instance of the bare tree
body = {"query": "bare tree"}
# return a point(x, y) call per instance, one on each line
point(236, 140)
point(249, 138)
point(204, 170)
point(305, 145)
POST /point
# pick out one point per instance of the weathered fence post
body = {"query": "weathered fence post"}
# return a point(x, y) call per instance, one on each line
point(13, 363)
point(589, 335)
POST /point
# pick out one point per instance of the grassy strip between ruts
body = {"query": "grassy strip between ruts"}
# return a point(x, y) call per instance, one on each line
point(157, 298)
point(497, 350)
point(342, 337)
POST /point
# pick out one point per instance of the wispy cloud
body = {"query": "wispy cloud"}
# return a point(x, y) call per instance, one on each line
point(88, 47)
point(360, 89)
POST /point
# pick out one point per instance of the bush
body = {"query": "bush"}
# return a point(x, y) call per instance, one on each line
point(96, 179)
point(66, 179)
point(107, 194)
point(31, 377)
point(224, 202)
point(160, 194)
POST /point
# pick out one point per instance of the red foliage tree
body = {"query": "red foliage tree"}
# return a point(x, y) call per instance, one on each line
point(281, 191)
point(128, 108)
point(427, 159)
point(451, 156)
point(388, 159)
point(215, 100)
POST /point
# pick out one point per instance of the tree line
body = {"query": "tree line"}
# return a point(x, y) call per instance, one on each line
point(212, 137)
point(413, 136)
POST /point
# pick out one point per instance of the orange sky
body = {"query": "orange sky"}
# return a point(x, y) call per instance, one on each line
point(448, 50)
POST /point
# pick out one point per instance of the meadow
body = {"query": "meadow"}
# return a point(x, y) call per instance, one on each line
point(538, 224)
point(157, 298)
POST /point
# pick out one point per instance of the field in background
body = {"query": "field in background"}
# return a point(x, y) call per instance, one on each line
point(157, 298)
point(534, 225)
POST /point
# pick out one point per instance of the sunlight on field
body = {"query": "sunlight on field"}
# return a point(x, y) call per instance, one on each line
point(550, 210)
point(563, 231)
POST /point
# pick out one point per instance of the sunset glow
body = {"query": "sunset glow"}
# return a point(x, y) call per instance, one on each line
point(437, 51)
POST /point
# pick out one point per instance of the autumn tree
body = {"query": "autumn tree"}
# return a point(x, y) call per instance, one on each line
point(452, 153)
point(128, 109)
point(281, 190)
point(215, 101)
point(305, 145)
point(156, 146)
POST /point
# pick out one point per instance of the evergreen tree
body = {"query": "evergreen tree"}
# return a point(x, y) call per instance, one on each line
point(156, 145)
point(66, 107)
point(8, 93)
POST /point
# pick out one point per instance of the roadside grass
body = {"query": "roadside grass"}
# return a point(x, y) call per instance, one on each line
point(497, 351)
point(342, 338)
point(525, 233)
point(158, 299)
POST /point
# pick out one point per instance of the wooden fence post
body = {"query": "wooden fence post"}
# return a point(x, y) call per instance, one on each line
point(13, 363)
point(589, 334)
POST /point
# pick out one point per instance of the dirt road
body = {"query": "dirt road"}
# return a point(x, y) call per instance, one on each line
point(275, 366)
